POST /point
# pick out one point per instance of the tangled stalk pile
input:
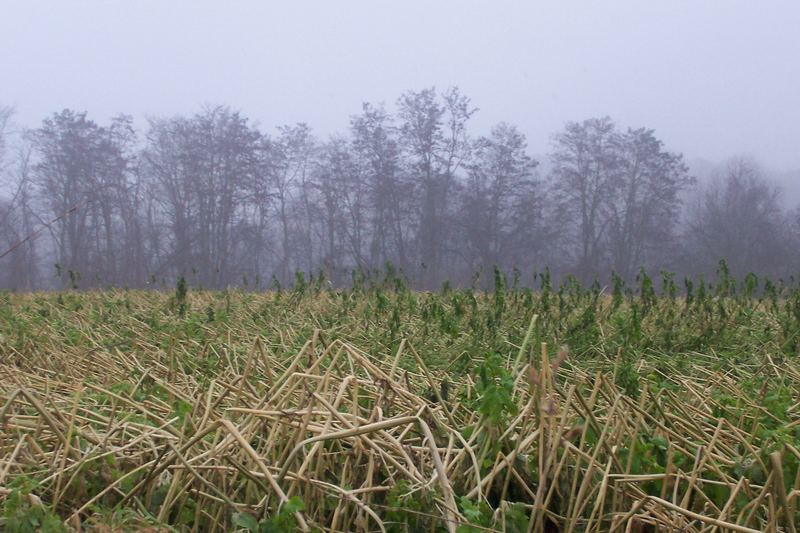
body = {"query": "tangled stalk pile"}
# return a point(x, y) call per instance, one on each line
point(126, 423)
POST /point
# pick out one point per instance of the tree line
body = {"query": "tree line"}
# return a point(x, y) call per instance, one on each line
point(217, 200)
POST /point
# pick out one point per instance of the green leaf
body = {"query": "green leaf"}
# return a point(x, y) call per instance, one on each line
point(294, 505)
point(245, 521)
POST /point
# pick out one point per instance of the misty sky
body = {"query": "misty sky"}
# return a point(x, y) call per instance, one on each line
point(713, 78)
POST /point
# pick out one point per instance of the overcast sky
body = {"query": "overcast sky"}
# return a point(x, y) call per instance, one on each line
point(713, 78)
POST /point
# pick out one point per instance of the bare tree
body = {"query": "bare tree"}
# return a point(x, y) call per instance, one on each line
point(210, 197)
point(620, 193)
point(292, 152)
point(173, 193)
point(738, 218)
point(645, 208)
point(434, 139)
point(81, 175)
point(586, 165)
point(377, 153)
point(202, 167)
point(18, 227)
point(501, 210)
point(330, 178)
point(18, 232)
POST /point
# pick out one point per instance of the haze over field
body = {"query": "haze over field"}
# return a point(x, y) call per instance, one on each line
point(715, 81)
point(713, 78)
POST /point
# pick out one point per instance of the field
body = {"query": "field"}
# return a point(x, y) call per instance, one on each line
point(378, 408)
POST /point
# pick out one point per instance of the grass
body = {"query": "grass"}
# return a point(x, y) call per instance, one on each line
point(378, 408)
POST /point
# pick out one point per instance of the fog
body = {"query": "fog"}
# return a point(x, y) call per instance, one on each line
point(713, 78)
point(715, 81)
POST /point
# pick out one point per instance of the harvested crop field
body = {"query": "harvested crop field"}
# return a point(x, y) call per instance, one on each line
point(379, 408)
